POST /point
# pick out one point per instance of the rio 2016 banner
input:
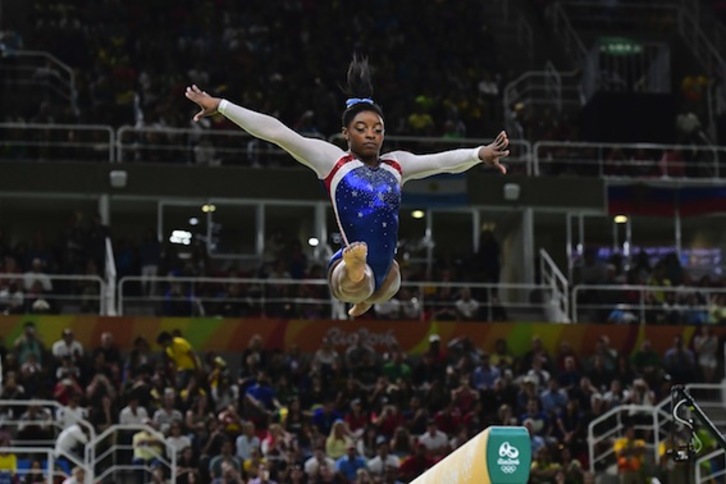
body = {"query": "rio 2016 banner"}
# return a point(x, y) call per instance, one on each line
point(233, 335)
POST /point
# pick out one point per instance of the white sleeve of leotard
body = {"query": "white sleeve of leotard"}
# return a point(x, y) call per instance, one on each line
point(414, 167)
point(317, 154)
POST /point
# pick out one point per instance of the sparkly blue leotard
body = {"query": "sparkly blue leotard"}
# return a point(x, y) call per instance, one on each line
point(366, 201)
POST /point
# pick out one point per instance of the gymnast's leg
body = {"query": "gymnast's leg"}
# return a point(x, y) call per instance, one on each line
point(351, 279)
point(390, 286)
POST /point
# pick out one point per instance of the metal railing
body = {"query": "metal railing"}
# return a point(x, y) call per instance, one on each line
point(642, 304)
point(654, 420)
point(558, 294)
point(49, 472)
point(114, 441)
point(308, 298)
point(52, 407)
point(69, 293)
point(46, 142)
point(40, 70)
point(628, 160)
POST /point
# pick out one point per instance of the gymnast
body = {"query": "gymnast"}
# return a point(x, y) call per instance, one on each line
point(364, 185)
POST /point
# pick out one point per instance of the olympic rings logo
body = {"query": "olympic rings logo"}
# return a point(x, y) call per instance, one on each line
point(508, 450)
point(509, 469)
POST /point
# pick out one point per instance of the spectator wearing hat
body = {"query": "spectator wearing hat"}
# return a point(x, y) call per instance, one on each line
point(383, 460)
point(347, 465)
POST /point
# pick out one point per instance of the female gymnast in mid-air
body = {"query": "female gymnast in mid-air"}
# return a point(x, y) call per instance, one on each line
point(364, 186)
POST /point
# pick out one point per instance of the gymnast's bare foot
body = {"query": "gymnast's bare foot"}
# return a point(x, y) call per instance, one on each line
point(359, 309)
point(354, 257)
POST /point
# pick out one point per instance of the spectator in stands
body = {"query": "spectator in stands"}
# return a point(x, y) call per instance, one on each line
point(28, 344)
point(148, 449)
point(226, 456)
point(390, 309)
point(168, 414)
point(35, 424)
point(8, 462)
point(349, 464)
point(705, 346)
point(485, 374)
point(111, 355)
point(176, 442)
point(357, 352)
point(181, 358)
point(326, 360)
point(78, 476)
point(73, 412)
point(630, 454)
point(67, 346)
point(416, 464)
point(133, 413)
point(467, 308)
point(36, 275)
point(384, 460)
point(679, 362)
point(435, 442)
point(338, 440)
point(410, 306)
point(247, 441)
point(314, 464)
point(71, 442)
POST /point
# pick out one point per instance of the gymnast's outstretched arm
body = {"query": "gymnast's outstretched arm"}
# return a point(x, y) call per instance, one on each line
point(414, 167)
point(317, 154)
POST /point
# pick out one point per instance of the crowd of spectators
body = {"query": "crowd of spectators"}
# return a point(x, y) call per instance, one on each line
point(624, 295)
point(343, 414)
point(29, 285)
point(133, 59)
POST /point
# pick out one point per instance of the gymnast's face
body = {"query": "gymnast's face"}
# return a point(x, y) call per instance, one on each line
point(364, 135)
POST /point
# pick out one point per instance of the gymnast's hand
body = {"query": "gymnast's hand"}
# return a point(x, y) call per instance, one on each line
point(207, 103)
point(493, 152)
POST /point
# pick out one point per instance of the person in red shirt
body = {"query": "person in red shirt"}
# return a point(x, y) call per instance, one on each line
point(448, 419)
point(416, 464)
point(388, 421)
point(357, 419)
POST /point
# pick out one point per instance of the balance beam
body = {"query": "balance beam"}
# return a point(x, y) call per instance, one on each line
point(497, 455)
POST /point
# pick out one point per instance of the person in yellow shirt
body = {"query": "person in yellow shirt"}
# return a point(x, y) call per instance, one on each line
point(630, 453)
point(181, 355)
point(8, 460)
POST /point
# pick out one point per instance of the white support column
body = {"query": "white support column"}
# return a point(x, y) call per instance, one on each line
point(104, 209)
point(475, 229)
point(528, 244)
point(321, 230)
point(260, 230)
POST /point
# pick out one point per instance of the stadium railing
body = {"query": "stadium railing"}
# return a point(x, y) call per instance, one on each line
point(70, 294)
point(558, 288)
point(628, 160)
point(26, 455)
point(656, 422)
point(49, 142)
point(309, 298)
point(14, 423)
point(628, 304)
point(148, 144)
point(115, 452)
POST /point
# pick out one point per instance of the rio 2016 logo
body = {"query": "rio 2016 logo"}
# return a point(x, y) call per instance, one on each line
point(508, 458)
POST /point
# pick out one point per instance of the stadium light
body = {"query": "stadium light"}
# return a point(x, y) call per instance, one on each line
point(620, 219)
point(418, 214)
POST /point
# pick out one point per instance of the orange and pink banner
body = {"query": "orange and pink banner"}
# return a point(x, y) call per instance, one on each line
point(233, 335)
